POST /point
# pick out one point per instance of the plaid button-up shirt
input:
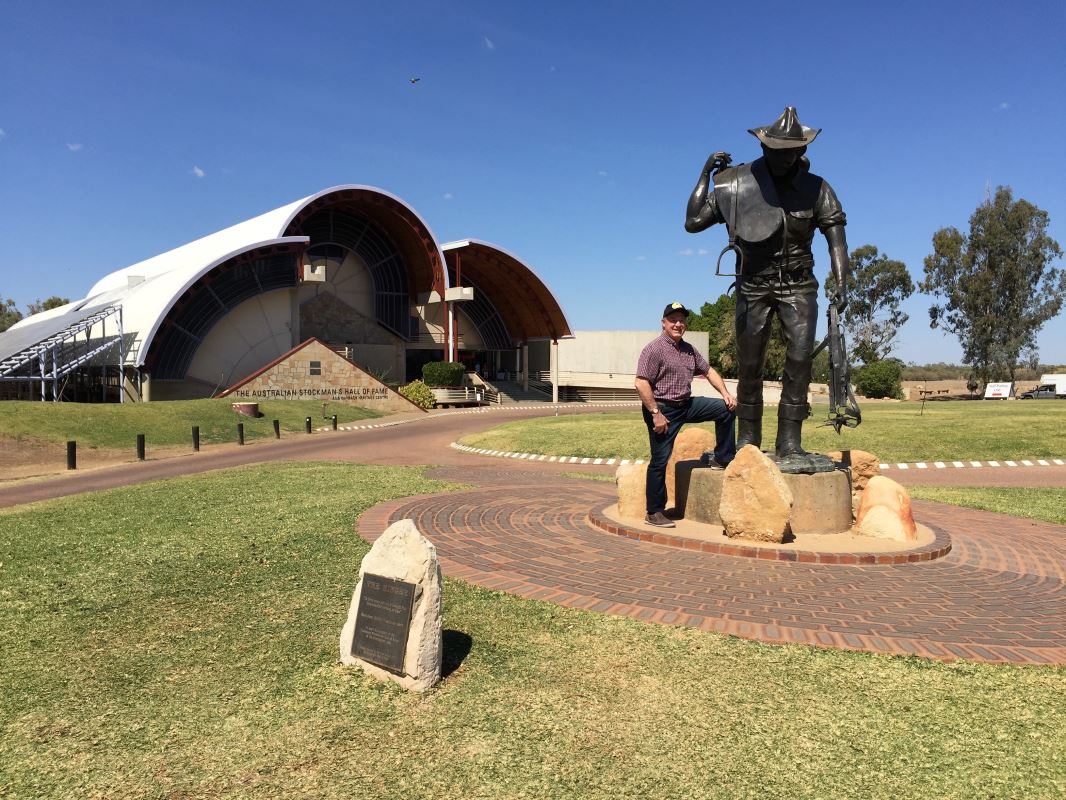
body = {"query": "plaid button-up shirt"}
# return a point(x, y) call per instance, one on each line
point(670, 369)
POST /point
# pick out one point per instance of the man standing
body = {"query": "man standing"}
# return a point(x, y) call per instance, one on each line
point(772, 207)
point(664, 382)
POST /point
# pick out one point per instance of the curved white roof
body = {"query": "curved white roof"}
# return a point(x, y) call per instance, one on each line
point(147, 290)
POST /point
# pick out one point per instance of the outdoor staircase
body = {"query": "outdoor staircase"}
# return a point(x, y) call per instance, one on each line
point(511, 392)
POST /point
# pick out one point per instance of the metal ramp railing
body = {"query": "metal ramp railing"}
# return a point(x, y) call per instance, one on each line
point(59, 354)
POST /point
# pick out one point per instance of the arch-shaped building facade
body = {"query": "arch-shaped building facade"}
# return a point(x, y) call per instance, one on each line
point(353, 266)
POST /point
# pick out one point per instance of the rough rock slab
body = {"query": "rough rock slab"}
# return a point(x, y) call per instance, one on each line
point(863, 466)
point(632, 499)
point(756, 501)
point(403, 553)
point(885, 511)
point(689, 445)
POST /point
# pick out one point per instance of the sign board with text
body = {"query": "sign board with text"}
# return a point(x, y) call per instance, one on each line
point(999, 391)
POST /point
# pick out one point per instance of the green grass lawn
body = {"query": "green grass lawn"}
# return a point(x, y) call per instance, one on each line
point(179, 639)
point(1043, 503)
point(167, 422)
point(894, 432)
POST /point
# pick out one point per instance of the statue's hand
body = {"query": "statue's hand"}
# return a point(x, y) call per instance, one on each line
point(839, 301)
point(718, 161)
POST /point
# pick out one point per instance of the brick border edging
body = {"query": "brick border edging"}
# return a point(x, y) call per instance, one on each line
point(940, 547)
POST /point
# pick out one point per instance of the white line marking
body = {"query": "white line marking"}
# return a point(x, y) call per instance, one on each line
point(921, 465)
point(940, 465)
point(957, 464)
point(975, 463)
point(903, 466)
point(993, 463)
point(1042, 462)
point(1026, 463)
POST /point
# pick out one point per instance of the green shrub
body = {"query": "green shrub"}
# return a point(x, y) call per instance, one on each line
point(418, 393)
point(443, 373)
point(880, 379)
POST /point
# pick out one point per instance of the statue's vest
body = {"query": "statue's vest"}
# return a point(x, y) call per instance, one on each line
point(754, 212)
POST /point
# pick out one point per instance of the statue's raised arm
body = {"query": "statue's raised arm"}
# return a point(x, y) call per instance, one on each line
point(702, 211)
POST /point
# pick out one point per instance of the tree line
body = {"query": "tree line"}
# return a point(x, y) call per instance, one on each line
point(10, 314)
point(994, 288)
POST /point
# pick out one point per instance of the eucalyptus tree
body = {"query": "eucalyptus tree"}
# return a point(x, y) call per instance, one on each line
point(996, 286)
point(876, 286)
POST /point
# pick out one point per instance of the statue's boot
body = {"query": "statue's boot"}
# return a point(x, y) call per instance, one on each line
point(789, 429)
point(788, 453)
point(749, 424)
point(788, 438)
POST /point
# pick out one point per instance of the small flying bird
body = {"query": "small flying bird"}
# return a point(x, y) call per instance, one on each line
point(414, 80)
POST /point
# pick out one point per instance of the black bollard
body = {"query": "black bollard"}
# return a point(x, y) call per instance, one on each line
point(140, 447)
point(307, 424)
point(72, 455)
point(277, 429)
point(240, 433)
point(334, 422)
point(196, 438)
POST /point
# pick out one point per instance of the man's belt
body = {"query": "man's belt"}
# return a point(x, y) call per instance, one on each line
point(674, 403)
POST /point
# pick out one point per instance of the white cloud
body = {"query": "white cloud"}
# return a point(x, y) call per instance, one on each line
point(491, 45)
point(199, 173)
point(642, 258)
point(602, 173)
point(2, 134)
point(448, 196)
point(688, 251)
point(74, 146)
point(701, 252)
point(1003, 106)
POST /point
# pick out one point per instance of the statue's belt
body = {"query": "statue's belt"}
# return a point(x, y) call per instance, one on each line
point(772, 275)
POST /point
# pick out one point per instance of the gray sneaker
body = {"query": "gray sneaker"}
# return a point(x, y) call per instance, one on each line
point(660, 520)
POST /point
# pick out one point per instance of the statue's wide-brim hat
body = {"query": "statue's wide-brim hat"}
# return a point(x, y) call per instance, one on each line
point(785, 132)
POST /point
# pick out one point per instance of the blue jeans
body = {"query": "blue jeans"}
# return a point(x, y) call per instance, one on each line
point(696, 409)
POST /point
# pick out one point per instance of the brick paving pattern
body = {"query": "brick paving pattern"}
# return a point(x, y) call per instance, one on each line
point(998, 596)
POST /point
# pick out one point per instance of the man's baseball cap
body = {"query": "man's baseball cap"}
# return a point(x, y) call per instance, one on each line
point(672, 308)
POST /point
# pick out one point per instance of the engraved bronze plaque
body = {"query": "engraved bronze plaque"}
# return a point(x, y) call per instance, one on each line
point(383, 621)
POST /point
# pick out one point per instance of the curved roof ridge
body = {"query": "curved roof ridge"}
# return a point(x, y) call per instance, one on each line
point(207, 248)
point(455, 245)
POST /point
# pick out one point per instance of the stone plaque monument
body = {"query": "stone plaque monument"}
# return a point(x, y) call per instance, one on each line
point(393, 631)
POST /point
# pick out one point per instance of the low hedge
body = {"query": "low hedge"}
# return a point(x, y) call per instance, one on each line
point(443, 373)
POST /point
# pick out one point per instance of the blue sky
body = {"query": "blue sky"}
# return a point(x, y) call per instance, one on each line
point(568, 133)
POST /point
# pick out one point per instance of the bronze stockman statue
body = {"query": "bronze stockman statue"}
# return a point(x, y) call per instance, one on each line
point(771, 209)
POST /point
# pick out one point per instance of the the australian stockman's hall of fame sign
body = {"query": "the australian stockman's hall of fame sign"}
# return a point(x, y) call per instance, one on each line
point(383, 621)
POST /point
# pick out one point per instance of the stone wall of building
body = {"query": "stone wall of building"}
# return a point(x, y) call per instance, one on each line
point(314, 372)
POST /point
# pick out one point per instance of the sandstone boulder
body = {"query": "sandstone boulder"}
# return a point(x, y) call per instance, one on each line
point(863, 466)
point(885, 511)
point(401, 553)
point(756, 501)
point(632, 500)
point(689, 445)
